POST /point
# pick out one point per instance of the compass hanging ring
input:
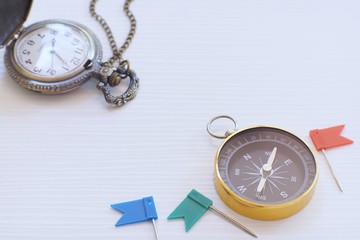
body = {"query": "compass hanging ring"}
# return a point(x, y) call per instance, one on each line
point(227, 133)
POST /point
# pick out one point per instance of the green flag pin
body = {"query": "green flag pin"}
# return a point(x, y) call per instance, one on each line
point(194, 206)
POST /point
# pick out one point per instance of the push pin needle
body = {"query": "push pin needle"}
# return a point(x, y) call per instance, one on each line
point(332, 171)
point(236, 223)
point(155, 229)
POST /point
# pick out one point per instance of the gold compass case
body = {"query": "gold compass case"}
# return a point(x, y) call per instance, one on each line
point(265, 173)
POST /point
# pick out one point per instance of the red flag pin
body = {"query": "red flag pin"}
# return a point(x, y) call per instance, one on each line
point(328, 138)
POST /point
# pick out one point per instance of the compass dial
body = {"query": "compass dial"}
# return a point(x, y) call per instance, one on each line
point(266, 167)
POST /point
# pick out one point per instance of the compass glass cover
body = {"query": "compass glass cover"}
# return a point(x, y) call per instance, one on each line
point(245, 166)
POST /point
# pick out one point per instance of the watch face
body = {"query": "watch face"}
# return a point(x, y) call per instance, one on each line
point(266, 165)
point(53, 51)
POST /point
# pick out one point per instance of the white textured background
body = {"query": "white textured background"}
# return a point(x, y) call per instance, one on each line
point(295, 64)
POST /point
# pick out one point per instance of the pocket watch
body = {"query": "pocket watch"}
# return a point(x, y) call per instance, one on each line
point(58, 56)
point(264, 172)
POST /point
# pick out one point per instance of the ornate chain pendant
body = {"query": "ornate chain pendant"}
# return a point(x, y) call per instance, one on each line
point(110, 76)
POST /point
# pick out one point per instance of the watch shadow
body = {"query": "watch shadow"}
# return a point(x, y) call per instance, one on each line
point(17, 98)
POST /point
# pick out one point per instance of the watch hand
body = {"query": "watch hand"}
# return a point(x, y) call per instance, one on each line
point(53, 43)
point(52, 61)
point(61, 59)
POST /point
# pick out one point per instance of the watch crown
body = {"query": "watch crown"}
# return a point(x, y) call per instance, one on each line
point(105, 73)
point(114, 79)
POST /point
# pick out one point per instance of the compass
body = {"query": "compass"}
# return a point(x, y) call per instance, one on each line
point(264, 172)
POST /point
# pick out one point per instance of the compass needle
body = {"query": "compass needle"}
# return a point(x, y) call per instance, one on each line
point(260, 186)
point(265, 172)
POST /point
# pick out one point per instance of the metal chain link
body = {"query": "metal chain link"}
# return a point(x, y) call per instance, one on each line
point(117, 52)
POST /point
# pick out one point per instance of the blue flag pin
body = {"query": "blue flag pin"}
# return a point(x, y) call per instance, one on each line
point(137, 211)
